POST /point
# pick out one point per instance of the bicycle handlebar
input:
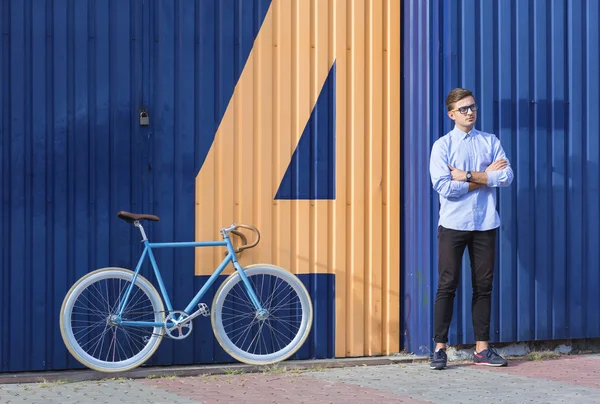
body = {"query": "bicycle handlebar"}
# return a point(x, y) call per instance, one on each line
point(230, 228)
point(233, 229)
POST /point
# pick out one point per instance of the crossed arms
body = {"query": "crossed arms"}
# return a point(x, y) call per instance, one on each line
point(450, 182)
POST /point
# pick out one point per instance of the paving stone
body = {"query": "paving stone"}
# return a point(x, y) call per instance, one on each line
point(574, 379)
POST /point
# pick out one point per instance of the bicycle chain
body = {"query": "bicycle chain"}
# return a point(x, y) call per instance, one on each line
point(149, 312)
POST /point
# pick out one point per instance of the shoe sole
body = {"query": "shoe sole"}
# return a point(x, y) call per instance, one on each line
point(491, 364)
point(437, 367)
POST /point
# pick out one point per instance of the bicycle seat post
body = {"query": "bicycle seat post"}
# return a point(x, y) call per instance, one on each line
point(139, 226)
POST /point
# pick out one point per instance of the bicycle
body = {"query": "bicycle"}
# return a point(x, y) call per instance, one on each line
point(124, 327)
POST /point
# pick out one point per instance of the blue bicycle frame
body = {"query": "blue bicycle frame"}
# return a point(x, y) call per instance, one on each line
point(148, 246)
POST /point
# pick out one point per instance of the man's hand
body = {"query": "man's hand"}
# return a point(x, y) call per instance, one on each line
point(457, 175)
point(497, 165)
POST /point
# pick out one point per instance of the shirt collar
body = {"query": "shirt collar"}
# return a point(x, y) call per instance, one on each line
point(459, 134)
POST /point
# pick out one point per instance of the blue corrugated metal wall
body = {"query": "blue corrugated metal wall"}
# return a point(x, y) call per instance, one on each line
point(73, 76)
point(534, 68)
point(70, 152)
point(196, 51)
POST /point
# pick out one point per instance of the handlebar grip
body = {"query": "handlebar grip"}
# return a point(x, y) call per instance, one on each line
point(244, 245)
point(240, 235)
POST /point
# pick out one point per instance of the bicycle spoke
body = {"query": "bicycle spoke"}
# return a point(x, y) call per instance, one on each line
point(262, 337)
point(97, 334)
point(276, 330)
point(256, 336)
point(244, 296)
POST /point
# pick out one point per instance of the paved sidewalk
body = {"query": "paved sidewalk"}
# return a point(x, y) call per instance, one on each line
point(570, 379)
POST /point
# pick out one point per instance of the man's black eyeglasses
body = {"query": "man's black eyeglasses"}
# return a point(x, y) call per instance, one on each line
point(465, 109)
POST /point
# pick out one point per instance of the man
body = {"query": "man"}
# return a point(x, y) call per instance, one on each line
point(466, 166)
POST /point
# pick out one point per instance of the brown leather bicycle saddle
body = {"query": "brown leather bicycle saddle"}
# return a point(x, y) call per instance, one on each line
point(133, 217)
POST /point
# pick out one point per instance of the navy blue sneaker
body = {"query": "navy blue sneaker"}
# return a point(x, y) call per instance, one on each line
point(489, 357)
point(438, 359)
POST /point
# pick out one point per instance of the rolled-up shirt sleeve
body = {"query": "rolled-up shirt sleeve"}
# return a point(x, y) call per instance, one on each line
point(502, 178)
point(440, 174)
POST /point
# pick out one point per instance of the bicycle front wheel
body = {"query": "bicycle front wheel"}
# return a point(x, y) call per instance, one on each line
point(270, 337)
point(88, 329)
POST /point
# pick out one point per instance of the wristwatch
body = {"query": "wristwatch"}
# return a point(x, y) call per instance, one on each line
point(469, 176)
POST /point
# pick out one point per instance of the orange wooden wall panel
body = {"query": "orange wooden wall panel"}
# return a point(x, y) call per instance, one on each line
point(356, 235)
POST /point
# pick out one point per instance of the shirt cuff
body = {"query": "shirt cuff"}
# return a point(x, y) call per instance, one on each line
point(462, 188)
point(493, 178)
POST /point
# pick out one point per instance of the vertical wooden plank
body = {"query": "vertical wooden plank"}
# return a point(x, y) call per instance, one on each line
point(321, 64)
point(244, 143)
point(391, 197)
point(263, 128)
point(375, 177)
point(303, 102)
point(340, 229)
point(283, 144)
point(357, 135)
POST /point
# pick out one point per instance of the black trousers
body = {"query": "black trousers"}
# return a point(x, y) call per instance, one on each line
point(451, 247)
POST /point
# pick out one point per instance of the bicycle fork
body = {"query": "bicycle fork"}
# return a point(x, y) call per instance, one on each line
point(262, 313)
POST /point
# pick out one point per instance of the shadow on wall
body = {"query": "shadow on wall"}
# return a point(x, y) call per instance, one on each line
point(546, 273)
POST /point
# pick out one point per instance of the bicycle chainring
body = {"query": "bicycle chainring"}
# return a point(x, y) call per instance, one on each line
point(177, 325)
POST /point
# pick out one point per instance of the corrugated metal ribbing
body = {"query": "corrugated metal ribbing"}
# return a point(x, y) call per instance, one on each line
point(67, 161)
point(282, 114)
point(533, 67)
point(197, 52)
point(308, 151)
point(417, 264)
point(366, 246)
point(74, 75)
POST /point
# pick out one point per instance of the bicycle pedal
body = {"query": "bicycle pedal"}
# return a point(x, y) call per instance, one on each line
point(204, 310)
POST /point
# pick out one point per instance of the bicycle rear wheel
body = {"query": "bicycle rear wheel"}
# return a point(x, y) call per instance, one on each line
point(86, 327)
point(258, 339)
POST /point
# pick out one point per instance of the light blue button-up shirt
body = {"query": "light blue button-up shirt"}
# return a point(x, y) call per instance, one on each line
point(473, 151)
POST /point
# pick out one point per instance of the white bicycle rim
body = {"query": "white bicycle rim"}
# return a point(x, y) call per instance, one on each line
point(66, 327)
point(303, 330)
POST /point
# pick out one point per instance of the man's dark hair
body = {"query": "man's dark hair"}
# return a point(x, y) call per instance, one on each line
point(456, 95)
